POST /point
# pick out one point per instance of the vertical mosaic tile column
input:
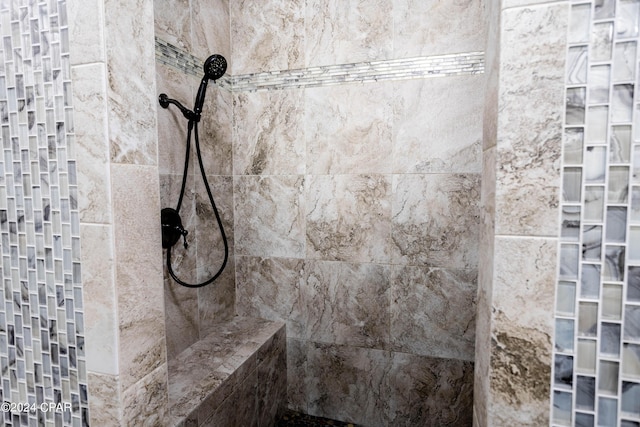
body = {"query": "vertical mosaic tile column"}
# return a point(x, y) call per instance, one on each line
point(42, 366)
point(596, 377)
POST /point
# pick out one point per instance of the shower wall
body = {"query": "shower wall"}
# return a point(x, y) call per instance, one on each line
point(114, 96)
point(357, 206)
point(193, 30)
point(522, 143)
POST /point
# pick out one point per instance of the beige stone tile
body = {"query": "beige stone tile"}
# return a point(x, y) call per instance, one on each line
point(210, 29)
point(348, 129)
point(430, 391)
point(348, 218)
point(86, 32)
point(346, 303)
point(146, 403)
point(430, 27)
point(105, 398)
point(271, 36)
point(131, 92)
point(450, 139)
point(531, 114)
point(274, 200)
point(269, 133)
point(101, 326)
point(92, 145)
point(436, 220)
point(172, 21)
point(140, 297)
point(338, 32)
point(433, 312)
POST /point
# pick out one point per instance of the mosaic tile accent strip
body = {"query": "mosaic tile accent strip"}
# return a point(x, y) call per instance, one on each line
point(42, 355)
point(363, 72)
point(596, 379)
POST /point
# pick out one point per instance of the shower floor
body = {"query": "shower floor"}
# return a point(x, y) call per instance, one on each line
point(296, 419)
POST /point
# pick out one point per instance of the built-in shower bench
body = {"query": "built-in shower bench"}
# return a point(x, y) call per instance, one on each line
point(235, 376)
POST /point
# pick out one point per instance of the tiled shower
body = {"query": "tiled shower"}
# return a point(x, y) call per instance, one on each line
point(390, 179)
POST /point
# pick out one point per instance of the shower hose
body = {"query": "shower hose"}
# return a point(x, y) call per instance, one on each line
point(193, 129)
point(214, 68)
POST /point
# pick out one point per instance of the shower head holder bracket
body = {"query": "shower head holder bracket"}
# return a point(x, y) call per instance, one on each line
point(188, 114)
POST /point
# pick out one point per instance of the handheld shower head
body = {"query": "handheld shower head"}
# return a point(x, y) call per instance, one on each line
point(214, 68)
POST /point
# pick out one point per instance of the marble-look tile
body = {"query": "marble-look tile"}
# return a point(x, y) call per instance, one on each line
point(173, 22)
point(296, 375)
point(269, 133)
point(349, 217)
point(436, 220)
point(529, 140)
point(348, 129)
point(522, 330)
point(271, 36)
point(339, 33)
point(99, 299)
point(433, 27)
point(181, 317)
point(277, 201)
point(418, 147)
point(208, 237)
point(104, 404)
point(216, 302)
point(433, 312)
point(172, 126)
point(138, 271)
point(346, 303)
point(92, 149)
point(485, 284)
point(348, 383)
point(428, 391)
point(216, 133)
point(210, 29)
point(183, 261)
point(131, 92)
point(272, 379)
point(86, 33)
point(145, 403)
point(269, 288)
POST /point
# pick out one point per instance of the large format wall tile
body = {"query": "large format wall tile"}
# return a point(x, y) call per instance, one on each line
point(529, 139)
point(346, 303)
point(138, 271)
point(100, 299)
point(456, 104)
point(436, 219)
point(348, 129)
point(130, 71)
point(348, 217)
point(268, 133)
point(522, 330)
point(94, 200)
point(433, 312)
point(427, 391)
point(428, 27)
point(348, 383)
point(270, 37)
point(340, 33)
point(277, 201)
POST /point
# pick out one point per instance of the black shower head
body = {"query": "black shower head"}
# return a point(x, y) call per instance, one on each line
point(215, 67)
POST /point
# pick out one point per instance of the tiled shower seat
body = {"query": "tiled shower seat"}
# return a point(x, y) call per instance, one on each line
point(235, 376)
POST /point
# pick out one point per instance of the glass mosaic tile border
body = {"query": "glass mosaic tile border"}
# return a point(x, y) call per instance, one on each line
point(42, 355)
point(596, 372)
point(362, 72)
